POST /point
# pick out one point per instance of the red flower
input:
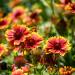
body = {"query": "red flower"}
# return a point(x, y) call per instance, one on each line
point(20, 60)
point(33, 17)
point(66, 70)
point(70, 8)
point(57, 45)
point(18, 72)
point(4, 23)
point(32, 41)
point(17, 34)
point(17, 13)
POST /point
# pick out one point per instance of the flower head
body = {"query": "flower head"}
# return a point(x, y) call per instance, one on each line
point(18, 72)
point(3, 49)
point(70, 8)
point(57, 45)
point(4, 23)
point(32, 41)
point(17, 34)
point(17, 13)
point(22, 71)
point(63, 4)
point(66, 70)
point(25, 68)
point(20, 60)
point(65, 1)
point(33, 17)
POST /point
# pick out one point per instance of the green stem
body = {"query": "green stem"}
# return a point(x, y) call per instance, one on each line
point(52, 6)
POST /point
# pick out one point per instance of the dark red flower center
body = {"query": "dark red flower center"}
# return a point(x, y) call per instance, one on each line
point(57, 46)
point(3, 22)
point(33, 15)
point(30, 42)
point(17, 14)
point(73, 7)
point(18, 34)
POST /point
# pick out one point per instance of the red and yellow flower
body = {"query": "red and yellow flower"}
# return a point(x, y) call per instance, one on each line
point(17, 34)
point(66, 70)
point(3, 49)
point(26, 68)
point(4, 23)
point(20, 61)
point(33, 17)
point(70, 8)
point(32, 41)
point(57, 45)
point(63, 4)
point(17, 13)
point(18, 72)
point(22, 71)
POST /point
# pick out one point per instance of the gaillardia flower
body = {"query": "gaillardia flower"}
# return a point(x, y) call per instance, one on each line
point(70, 8)
point(3, 49)
point(18, 72)
point(17, 13)
point(17, 34)
point(13, 3)
point(57, 45)
point(26, 68)
point(4, 23)
point(63, 4)
point(32, 41)
point(66, 70)
point(20, 61)
point(21, 71)
point(33, 17)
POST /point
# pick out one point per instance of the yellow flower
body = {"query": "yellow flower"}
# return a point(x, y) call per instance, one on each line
point(66, 70)
point(3, 49)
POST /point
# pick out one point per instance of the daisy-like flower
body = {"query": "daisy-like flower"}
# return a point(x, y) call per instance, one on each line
point(17, 13)
point(33, 17)
point(18, 72)
point(57, 45)
point(3, 49)
point(17, 34)
point(66, 70)
point(22, 71)
point(32, 41)
point(4, 23)
point(70, 8)
point(20, 61)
